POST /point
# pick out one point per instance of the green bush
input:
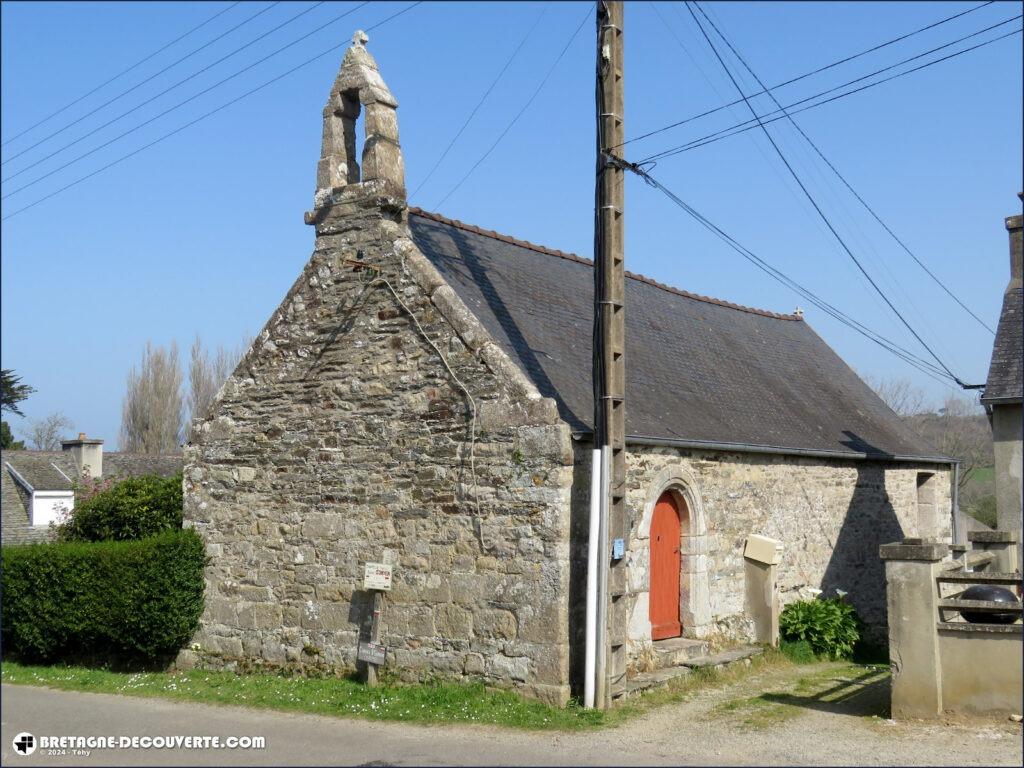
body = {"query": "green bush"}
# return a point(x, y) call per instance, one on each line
point(831, 627)
point(125, 511)
point(113, 600)
point(797, 651)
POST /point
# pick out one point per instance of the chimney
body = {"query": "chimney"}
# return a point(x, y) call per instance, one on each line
point(1013, 226)
point(359, 89)
point(87, 453)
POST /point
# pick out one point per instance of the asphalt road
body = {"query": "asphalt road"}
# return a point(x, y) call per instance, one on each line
point(693, 733)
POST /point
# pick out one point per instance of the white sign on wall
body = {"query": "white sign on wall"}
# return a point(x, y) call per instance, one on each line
point(377, 576)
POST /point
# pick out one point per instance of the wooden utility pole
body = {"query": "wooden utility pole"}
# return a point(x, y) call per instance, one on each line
point(609, 352)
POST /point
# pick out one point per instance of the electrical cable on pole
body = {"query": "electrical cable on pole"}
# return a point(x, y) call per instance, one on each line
point(123, 72)
point(768, 118)
point(139, 84)
point(839, 175)
point(610, 352)
point(821, 213)
point(911, 359)
point(810, 74)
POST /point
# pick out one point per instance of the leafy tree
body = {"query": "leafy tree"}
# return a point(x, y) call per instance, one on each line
point(12, 392)
point(7, 441)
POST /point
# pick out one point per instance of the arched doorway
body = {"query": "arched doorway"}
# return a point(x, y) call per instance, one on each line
point(666, 567)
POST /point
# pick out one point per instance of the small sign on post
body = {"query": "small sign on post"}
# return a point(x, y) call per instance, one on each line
point(377, 576)
point(376, 579)
point(372, 653)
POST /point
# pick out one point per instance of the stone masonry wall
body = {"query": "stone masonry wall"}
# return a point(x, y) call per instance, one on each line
point(342, 438)
point(830, 514)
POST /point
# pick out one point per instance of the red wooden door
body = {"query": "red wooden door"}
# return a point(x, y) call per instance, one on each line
point(665, 567)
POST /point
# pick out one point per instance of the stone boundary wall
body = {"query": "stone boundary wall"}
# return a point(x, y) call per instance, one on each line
point(830, 514)
point(343, 438)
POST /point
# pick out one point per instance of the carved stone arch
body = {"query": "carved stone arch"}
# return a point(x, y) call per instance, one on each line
point(695, 591)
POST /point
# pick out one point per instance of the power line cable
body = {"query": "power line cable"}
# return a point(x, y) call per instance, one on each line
point(772, 116)
point(821, 213)
point(839, 175)
point(164, 92)
point(822, 69)
point(480, 103)
point(180, 104)
point(920, 364)
point(121, 73)
point(519, 114)
point(831, 199)
point(212, 112)
point(771, 162)
point(140, 84)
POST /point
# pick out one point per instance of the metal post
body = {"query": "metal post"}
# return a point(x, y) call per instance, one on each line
point(609, 367)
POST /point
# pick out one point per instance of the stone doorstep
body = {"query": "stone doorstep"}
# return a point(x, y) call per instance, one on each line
point(676, 650)
point(660, 678)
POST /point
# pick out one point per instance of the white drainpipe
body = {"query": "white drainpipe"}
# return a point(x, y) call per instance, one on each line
point(590, 654)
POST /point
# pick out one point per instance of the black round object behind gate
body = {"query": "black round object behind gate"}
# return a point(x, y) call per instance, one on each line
point(991, 594)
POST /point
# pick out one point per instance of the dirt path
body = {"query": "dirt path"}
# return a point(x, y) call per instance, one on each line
point(833, 714)
point(820, 715)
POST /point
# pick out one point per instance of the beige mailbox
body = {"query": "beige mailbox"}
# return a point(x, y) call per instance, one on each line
point(761, 556)
point(761, 549)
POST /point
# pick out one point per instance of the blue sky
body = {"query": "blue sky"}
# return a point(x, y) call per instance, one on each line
point(203, 232)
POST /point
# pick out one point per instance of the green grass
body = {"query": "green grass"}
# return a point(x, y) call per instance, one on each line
point(345, 697)
point(858, 690)
point(339, 697)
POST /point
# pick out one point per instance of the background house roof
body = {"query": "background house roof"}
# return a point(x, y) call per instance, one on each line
point(117, 464)
point(43, 470)
point(1004, 373)
point(39, 469)
point(698, 369)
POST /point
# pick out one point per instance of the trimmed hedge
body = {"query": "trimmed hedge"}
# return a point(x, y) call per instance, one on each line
point(129, 509)
point(111, 600)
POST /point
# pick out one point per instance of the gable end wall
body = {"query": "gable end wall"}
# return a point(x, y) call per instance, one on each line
point(342, 438)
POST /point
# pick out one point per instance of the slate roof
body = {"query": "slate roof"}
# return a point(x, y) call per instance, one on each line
point(40, 470)
point(118, 464)
point(1004, 373)
point(699, 370)
point(44, 470)
point(14, 503)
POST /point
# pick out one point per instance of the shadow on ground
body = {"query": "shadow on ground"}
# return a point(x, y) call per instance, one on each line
point(863, 695)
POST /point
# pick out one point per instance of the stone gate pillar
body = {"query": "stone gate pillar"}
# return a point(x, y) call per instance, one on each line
point(912, 596)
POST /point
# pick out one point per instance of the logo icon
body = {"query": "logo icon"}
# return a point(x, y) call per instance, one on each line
point(25, 744)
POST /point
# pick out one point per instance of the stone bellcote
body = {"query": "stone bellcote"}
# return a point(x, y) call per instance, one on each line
point(359, 88)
